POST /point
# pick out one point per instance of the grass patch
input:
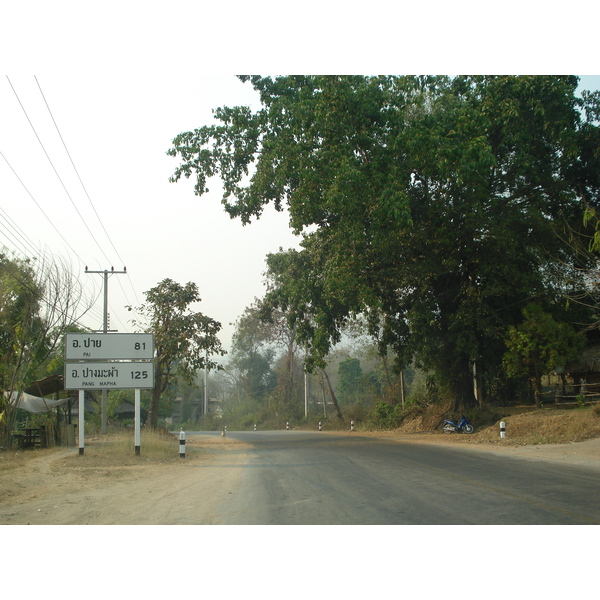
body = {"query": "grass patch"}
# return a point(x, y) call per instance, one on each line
point(119, 450)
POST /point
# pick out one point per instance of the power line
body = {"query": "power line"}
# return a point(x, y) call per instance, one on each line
point(14, 226)
point(41, 209)
point(21, 247)
point(55, 171)
point(86, 193)
point(15, 238)
point(77, 172)
point(37, 252)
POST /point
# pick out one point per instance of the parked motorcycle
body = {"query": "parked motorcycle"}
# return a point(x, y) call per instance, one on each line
point(464, 426)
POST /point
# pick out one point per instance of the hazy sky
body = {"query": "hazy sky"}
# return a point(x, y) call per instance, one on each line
point(117, 129)
point(121, 82)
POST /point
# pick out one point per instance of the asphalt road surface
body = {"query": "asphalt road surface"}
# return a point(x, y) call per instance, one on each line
point(312, 478)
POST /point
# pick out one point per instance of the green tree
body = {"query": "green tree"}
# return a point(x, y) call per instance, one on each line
point(251, 356)
point(350, 383)
point(39, 301)
point(540, 345)
point(429, 204)
point(183, 339)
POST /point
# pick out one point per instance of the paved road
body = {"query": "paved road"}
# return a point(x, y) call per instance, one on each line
point(304, 478)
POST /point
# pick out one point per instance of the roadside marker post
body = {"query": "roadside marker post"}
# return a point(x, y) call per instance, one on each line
point(320, 428)
point(351, 425)
point(254, 426)
point(502, 429)
point(287, 426)
point(182, 443)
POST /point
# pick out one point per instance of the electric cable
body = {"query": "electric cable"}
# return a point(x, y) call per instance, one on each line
point(86, 192)
point(77, 172)
point(41, 209)
point(56, 172)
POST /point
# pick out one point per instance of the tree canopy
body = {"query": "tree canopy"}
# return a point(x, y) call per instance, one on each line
point(183, 339)
point(432, 205)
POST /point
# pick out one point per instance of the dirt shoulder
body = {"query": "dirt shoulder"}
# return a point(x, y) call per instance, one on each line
point(57, 486)
point(586, 453)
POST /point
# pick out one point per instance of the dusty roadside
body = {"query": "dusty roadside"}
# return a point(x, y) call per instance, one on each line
point(59, 487)
point(585, 453)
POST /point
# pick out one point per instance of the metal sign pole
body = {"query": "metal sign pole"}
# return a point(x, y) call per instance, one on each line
point(81, 422)
point(137, 422)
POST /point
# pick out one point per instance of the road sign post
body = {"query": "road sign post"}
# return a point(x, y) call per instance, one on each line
point(109, 361)
point(81, 421)
point(137, 422)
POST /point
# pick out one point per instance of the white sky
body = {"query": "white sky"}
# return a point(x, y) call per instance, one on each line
point(117, 128)
point(121, 82)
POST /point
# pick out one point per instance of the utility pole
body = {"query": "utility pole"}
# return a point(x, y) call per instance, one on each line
point(306, 393)
point(206, 385)
point(105, 329)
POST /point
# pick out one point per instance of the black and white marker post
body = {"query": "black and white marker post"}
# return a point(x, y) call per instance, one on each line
point(182, 444)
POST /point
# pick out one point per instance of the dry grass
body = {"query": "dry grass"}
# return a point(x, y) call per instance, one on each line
point(547, 427)
point(524, 425)
point(117, 450)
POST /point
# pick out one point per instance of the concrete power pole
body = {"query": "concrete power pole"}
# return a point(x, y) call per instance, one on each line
point(105, 329)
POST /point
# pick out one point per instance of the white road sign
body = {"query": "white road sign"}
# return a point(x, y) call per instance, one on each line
point(109, 375)
point(109, 346)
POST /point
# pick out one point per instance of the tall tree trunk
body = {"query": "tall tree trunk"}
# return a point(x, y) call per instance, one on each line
point(332, 394)
point(152, 422)
point(159, 387)
point(461, 389)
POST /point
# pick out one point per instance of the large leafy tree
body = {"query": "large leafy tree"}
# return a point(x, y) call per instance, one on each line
point(184, 340)
point(429, 204)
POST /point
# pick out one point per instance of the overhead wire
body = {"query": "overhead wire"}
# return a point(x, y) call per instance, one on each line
point(91, 310)
point(35, 251)
point(21, 235)
point(55, 171)
point(42, 299)
point(86, 192)
point(77, 172)
point(41, 209)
